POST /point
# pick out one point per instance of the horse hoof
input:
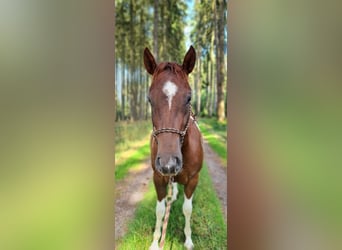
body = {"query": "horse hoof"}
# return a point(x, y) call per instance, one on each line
point(189, 248)
point(189, 245)
point(154, 246)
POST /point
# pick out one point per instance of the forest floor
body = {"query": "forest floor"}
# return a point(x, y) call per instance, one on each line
point(130, 191)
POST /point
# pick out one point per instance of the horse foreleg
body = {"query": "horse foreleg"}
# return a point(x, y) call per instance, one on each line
point(174, 191)
point(160, 211)
point(187, 210)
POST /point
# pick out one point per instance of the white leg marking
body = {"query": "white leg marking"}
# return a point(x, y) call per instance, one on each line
point(174, 191)
point(160, 211)
point(187, 210)
point(170, 90)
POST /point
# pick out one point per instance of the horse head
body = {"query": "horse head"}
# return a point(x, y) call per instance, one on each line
point(170, 99)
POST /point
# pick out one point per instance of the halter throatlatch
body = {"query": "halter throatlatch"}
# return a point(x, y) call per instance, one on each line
point(182, 133)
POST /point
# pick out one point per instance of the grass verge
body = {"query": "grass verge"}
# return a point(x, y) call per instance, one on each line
point(209, 230)
point(132, 160)
point(128, 133)
point(215, 133)
point(132, 146)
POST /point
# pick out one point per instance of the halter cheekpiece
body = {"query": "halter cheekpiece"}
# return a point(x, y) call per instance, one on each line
point(182, 133)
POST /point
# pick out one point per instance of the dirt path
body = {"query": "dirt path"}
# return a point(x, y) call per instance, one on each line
point(128, 196)
point(218, 175)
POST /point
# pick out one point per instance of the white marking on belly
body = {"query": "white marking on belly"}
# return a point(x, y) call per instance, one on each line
point(170, 90)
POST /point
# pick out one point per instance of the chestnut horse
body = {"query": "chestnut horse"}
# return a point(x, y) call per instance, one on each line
point(176, 142)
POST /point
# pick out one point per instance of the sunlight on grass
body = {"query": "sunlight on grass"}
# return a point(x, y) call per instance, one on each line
point(122, 155)
point(215, 134)
point(137, 168)
point(132, 161)
point(132, 146)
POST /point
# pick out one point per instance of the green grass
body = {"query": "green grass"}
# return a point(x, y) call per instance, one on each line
point(131, 146)
point(134, 160)
point(127, 133)
point(209, 230)
point(215, 133)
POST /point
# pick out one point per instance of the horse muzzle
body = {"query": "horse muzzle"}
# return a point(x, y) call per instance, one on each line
point(169, 166)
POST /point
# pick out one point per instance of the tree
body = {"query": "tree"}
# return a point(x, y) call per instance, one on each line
point(209, 38)
point(171, 30)
point(155, 29)
point(133, 22)
point(220, 67)
point(160, 26)
point(121, 38)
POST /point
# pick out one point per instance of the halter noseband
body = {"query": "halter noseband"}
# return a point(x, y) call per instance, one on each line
point(182, 133)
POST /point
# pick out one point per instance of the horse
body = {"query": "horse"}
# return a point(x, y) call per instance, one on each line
point(176, 142)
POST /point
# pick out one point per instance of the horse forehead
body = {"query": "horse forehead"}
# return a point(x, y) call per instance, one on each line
point(170, 88)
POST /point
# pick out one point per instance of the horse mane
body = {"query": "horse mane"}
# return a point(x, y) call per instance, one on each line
point(170, 67)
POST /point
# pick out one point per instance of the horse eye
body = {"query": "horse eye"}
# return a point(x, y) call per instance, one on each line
point(188, 99)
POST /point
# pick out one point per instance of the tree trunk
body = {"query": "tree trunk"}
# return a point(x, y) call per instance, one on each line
point(133, 78)
point(197, 84)
point(207, 70)
point(210, 90)
point(123, 89)
point(220, 60)
point(146, 102)
point(155, 30)
point(198, 94)
point(212, 81)
point(162, 45)
point(142, 94)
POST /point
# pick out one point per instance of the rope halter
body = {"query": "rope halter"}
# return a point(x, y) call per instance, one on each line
point(181, 133)
point(167, 214)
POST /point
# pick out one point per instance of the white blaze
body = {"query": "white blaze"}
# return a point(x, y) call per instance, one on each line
point(170, 90)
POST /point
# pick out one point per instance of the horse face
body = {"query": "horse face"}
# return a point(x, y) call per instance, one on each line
point(170, 97)
point(170, 109)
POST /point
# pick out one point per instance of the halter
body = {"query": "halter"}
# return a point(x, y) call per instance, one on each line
point(182, 133)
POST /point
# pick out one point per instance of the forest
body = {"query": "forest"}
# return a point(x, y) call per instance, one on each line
point(168, 28)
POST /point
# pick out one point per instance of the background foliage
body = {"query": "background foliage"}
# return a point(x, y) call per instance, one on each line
point(165, 28)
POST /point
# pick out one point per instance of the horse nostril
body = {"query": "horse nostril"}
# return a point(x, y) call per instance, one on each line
point(158, 162)
point(168, 167)
point(178, 161)
point(167, 170)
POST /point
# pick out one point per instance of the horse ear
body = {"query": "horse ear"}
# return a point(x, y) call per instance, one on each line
point(189, 60)
point(150, 63)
